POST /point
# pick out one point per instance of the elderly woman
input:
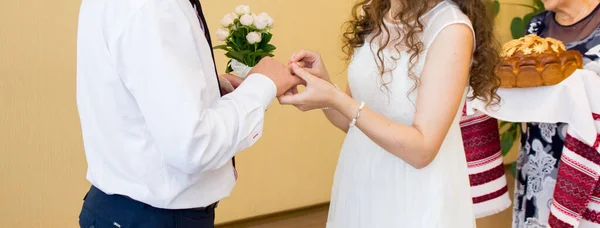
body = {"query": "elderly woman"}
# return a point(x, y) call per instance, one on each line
point(577, 24)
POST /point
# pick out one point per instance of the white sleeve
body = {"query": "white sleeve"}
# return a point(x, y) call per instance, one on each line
point(158, 61)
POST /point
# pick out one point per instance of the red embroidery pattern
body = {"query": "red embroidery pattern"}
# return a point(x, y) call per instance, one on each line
point(557, 223)
point(482, 162)
point(576, 183)
point(481, 140)
point(490, 196)
point(572, 189)
point(487, 176)
point(582, 149)
point(592, 216)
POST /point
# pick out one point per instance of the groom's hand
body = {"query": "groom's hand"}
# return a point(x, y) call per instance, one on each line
point(229, 83)
point(312, 62)
point(277, 72)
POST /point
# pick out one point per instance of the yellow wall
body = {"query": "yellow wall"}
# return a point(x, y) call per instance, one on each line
point(507, 13)
point(293, 165)
point(42, 167)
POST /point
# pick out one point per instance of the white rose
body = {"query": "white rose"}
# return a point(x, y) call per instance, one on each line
point(253, 37)
point(242, 9)
point(261, 21)
point(246, 20)
point(222, 34)
point(228, 19)
point(269, 19)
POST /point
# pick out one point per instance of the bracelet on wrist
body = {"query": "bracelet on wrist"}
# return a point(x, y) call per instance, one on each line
point(360, 108)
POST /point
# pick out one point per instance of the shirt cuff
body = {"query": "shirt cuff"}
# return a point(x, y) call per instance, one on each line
point(259, 87)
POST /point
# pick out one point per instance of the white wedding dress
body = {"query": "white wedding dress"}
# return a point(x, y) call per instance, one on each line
point(375, 189)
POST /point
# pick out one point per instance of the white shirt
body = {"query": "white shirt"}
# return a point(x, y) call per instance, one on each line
point(154, 125)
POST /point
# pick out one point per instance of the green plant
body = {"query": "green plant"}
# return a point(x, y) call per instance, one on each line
point(519, 24)
point(509, 135)
point(493, 7)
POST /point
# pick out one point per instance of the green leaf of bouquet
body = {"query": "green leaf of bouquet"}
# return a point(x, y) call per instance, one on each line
point(269, 48)
point(266, 38)
point(261, 54)
point(221, 47)
point(228, 68)
point(239, 56)
point(239, 42)
point(231, 44)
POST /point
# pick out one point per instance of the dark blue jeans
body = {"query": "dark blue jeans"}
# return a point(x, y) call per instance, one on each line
point(114, 211)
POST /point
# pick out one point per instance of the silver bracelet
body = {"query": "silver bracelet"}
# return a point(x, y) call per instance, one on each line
point(360, 108)
point(327, 108)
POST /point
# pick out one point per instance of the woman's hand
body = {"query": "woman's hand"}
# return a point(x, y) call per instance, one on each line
point(318, 93)
point(311, 62)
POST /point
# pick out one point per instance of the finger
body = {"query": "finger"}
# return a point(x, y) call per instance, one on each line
point(301, 73)
point(292, 57)
point(295, 90)
point(291, 99)
point(298, 56)
point(223, 92)
point(302, 64)
point(225, 85)
point(313, 71)
point(298, 81)
point(235, 81)
point(304, 55)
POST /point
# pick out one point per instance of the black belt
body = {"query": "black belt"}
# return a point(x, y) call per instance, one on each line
point(97, 195)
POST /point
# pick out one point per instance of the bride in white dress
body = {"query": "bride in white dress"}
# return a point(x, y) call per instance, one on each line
point(403, 162)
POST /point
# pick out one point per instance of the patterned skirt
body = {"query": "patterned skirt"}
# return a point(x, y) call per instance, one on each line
point(537, 167)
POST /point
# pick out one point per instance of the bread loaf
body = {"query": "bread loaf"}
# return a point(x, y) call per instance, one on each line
point(533, 61)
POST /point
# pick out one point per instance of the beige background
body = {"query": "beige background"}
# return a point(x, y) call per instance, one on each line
point(42, 168)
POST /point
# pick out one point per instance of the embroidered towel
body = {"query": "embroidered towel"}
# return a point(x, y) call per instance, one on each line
point(575, 101)
point(485, 165)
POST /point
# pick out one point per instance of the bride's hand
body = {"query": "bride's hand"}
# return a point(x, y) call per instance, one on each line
point(311, 62)
point(317, 94)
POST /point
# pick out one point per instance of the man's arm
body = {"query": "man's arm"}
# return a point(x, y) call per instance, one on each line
point(157, 59)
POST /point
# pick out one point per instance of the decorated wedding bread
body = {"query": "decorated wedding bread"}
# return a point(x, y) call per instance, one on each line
point(533, 61)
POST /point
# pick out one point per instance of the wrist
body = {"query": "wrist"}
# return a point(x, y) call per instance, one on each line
point(343, 103)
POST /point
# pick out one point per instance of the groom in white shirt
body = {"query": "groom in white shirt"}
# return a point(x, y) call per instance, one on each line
point(159, 138)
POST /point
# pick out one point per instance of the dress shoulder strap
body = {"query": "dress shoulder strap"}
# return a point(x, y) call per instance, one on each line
point(440, 17)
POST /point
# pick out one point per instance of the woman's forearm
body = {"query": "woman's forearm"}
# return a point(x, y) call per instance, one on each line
point(404, 141)
point(337, 119)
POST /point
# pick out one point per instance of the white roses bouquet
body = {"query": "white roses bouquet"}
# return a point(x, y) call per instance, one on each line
point(246, 37)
